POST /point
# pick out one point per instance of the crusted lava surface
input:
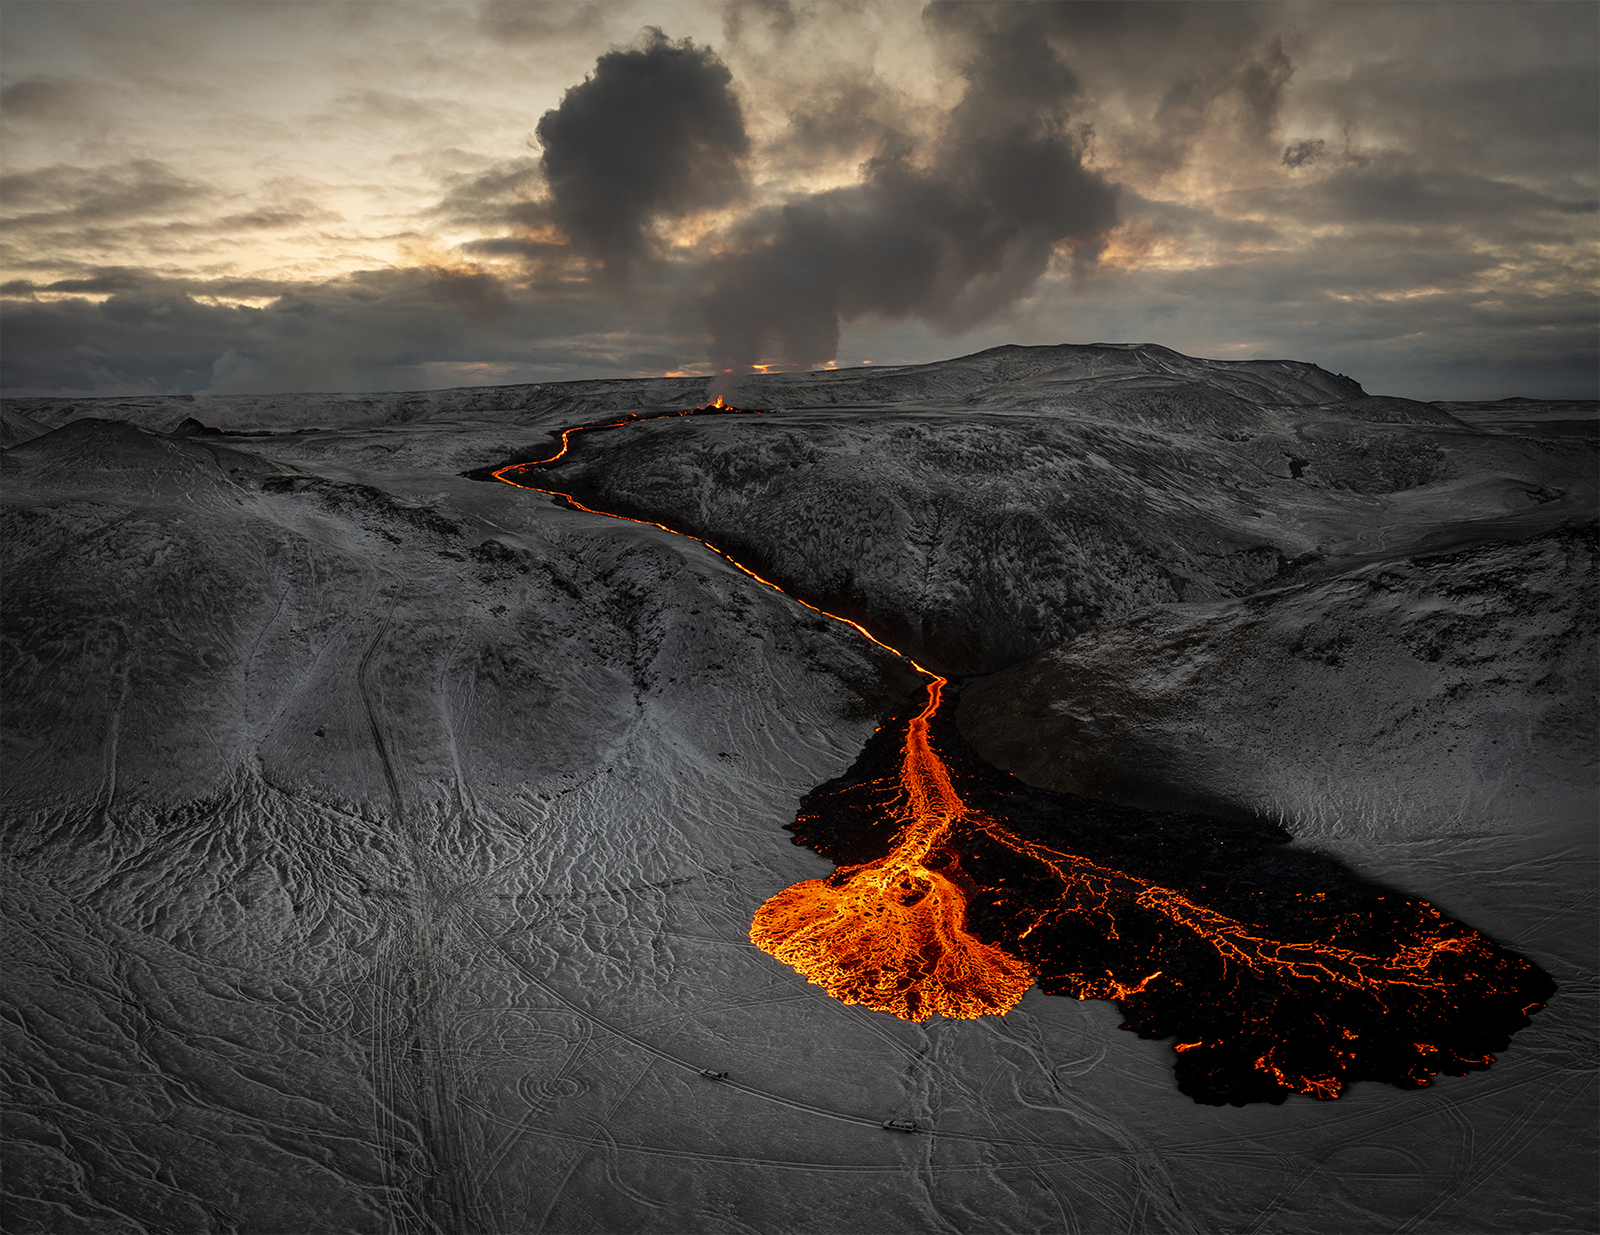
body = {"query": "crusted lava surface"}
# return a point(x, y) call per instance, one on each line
point(1275, 968)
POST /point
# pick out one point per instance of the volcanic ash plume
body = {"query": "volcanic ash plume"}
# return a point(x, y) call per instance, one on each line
point(953, 234)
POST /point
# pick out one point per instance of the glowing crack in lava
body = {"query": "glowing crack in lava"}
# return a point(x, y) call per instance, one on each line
point(1277, 971)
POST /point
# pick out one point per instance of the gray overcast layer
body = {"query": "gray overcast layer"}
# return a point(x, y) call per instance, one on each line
point(254, 198)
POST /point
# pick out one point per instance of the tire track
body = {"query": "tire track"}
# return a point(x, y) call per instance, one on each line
point(412, 1210)
point(441, 1132)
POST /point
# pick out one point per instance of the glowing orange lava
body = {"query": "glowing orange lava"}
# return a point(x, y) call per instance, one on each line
point(1337, 993)
point(1428, 962)
point(891, 934)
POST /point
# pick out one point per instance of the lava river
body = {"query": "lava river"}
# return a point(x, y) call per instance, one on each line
point(958, 888)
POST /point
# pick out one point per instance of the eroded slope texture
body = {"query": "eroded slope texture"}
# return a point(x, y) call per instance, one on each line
point(1405, 698)
point(976, 524)
point(380, 846)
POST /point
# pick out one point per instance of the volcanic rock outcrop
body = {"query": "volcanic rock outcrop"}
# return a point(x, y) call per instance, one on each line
point(986, 510)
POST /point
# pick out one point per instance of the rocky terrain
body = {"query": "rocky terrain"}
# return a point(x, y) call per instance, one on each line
point(380, 844)
point(980, 515)
point(1341, 705)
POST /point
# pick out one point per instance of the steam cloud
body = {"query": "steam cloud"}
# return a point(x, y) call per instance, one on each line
point(953, 239)
point(655, 133)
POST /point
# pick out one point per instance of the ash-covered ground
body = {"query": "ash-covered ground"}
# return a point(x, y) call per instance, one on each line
point(381, 844)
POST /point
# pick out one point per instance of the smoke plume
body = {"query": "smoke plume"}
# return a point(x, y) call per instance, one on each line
point(952, 235)
point(656, 133)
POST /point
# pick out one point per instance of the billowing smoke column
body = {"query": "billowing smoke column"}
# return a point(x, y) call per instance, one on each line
point(656, 133)
point(952, 227)
point(952, 235)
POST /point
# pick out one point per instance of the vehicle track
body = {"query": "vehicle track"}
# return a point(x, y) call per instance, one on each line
point(412, 1211)
point(442, 1133)
point(1050, 1154)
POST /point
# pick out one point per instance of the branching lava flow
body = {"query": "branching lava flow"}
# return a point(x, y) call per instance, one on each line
point(956, 913)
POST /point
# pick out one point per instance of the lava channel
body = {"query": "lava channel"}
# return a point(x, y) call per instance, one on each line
point(1277, 971)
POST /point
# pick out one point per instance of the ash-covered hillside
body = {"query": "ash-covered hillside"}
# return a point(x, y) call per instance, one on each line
point(994, 509)
point(381, 844)
point(1439, 693)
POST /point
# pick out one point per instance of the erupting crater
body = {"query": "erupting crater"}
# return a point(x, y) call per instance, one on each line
point(1278, 971)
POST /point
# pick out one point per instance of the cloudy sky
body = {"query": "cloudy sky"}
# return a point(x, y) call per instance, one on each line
point(246, 198)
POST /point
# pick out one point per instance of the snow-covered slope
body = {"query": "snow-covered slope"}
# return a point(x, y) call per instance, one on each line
point(978, 533)
point(336, 816)
point(16, 428)
point(380, 845)
point(1436, 694)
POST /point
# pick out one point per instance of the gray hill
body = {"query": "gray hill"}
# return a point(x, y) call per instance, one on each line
point(381, 845)
point(1359, 706)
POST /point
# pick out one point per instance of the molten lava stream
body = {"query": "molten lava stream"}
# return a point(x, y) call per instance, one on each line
point(1380, 987)
point(891, 934)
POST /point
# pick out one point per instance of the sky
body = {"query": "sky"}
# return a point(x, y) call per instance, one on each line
point(238, 198)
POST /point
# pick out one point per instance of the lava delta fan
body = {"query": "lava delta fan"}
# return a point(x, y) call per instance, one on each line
point(1277, 971)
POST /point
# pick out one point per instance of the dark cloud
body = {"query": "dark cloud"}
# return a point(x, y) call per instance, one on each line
point(368, 108)
point(64, 194)
point(952, 237)
point(377, 330)
point(266, 218)
point(104, 281)
point(1302, 152)
point(144, 341)
point(1180, 68)
point(1261, 81)
point(102, 215)
point(839, 119)
point(46, 98)
point(1391, 192)
point(1513, 121)
point(1455, 341)
point(655, 134)
point(839, 106)
point(502, 194)
point(1241, 86)
point(777, 19)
